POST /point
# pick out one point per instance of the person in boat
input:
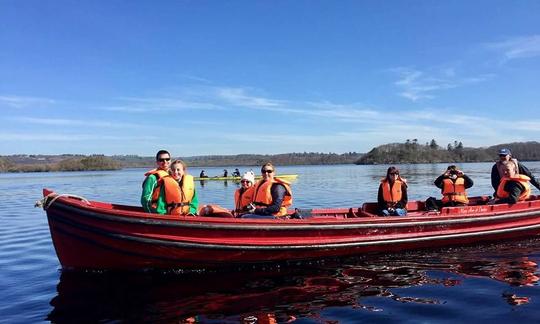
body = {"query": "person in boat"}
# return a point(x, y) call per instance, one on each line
point(203, 174)
point(225, 173)
point(243, 196)
point(453, 184)
point(271, 196)
point(236, 173)
point(392, 196)
point(150, 203)
point(513, 187)
point(497, 171)
point(180, 194)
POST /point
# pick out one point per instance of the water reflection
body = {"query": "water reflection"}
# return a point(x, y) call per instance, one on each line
point(287, 293)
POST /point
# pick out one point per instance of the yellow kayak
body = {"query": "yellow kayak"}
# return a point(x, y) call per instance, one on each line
point(281, 176)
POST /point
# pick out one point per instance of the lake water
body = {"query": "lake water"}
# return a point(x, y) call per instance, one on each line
point(495, 282)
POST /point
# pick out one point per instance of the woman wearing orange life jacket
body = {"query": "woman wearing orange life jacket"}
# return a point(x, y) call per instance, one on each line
point(179, 191)
point(453, 184)
point(271, 196)
point(392, 196)
point(243, 196)
point(513, 187)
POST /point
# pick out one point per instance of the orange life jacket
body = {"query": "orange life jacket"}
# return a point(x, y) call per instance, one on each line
point(391, 195)
point(177, 198)
point(159, 174)
point(454, 191)
point(523, 179)
point(242, 199)
point(263, 196)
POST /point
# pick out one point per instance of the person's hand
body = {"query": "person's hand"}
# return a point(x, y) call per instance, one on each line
point(250, 208)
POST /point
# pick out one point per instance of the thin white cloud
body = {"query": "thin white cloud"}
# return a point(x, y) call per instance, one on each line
point(23, 102)
point(142, 105)
point(5, 137)
point(71, 122)
point(518, 47)
point(416, 85)
point(239, 97)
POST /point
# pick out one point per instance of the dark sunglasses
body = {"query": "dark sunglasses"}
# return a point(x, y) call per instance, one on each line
point(267, 171)
point(163, 160)
point(245, 181)
point(394, 173)
point(502, 155)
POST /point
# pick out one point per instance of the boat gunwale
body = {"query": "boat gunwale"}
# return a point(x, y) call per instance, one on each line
point(329, 223)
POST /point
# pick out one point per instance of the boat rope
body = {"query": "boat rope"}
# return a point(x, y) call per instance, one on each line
point(46, 202)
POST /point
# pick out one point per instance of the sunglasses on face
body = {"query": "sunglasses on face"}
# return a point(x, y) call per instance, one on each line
point(267, 171)
point(245, 181)
point(394, 173)
point(163, 160)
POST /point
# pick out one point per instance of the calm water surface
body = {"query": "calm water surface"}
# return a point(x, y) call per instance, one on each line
point(495, 282)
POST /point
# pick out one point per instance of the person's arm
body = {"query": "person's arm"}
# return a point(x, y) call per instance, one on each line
point(514, 190)
point(194, 204)
point(439, 181)
point(468, 181)
point(495, 177)
point(404, 198)
point(149, 185)
point(380, 199)
point(278, 192)
point(525, 171)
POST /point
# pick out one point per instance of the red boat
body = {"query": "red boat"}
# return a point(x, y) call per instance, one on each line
point(97, 235)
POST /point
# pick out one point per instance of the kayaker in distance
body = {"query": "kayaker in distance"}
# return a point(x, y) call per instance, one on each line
point(514, 187)
point(150, 184)
point(392, 195)
point(497, 171)
point(236, 173)
point(203, 174)
point(225, 173)
point(272, 196)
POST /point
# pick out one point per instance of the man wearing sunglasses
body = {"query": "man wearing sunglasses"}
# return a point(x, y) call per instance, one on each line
point(497, 171)
point(159, 206)
point(271, 196)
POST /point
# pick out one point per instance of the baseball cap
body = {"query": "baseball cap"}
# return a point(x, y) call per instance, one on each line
point(504, 151)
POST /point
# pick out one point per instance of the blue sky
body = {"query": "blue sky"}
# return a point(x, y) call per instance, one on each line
point(231, 77)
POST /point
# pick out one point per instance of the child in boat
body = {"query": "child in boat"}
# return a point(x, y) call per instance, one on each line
point(244, 195)
point(392, 195)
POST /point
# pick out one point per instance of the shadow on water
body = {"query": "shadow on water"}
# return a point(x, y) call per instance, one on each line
point(299, 291)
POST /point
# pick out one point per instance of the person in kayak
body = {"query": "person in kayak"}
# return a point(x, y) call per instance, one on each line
point(243, 196)
point(271, 197)
point(225, 173)
point(513, 187)
point(180, 195)
point(453, 184)
point(497, 171)
point(236, 173)
point(392, 195)
point(203, 174)
point(163, 161)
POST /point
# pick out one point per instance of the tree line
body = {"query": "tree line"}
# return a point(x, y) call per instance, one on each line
point(413, 152)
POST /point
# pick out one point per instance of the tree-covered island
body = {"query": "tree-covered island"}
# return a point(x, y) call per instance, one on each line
point(410, 151)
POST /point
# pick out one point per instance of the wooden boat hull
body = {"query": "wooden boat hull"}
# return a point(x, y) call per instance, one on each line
point(105, 236)
point(288, 177)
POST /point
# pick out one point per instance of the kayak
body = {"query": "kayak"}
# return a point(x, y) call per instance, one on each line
point(99, 235)
point(281, 176)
